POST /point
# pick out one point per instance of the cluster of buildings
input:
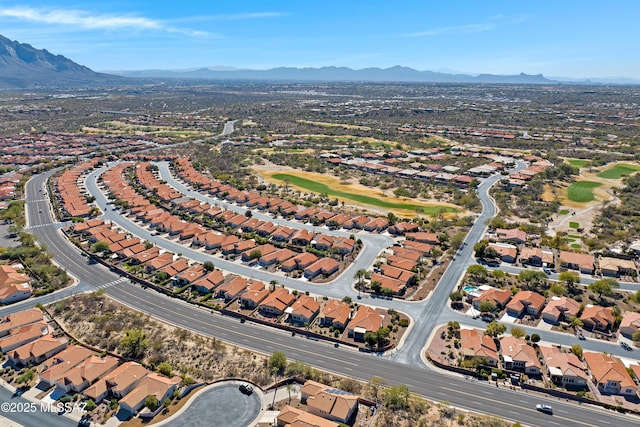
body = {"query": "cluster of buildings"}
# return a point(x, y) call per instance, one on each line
point(511, 247)
point(554, 310)
point(37, 149)
point(251, 296)
point(607, 373)
point(275, 205)
point(28, 341)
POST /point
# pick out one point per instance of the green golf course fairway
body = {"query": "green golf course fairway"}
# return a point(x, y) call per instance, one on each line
point(320, 188)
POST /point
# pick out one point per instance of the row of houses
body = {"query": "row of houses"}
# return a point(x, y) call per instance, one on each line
point(229, 244)
point(251, 294)
point(516, 250)
point(400, 270)
point(607, 373)
point(28, 340)
point(277, 206)
point(73, 202)
point(555, 310)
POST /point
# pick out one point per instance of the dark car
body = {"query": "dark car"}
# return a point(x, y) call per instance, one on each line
point(544, 408)
point(246, 389)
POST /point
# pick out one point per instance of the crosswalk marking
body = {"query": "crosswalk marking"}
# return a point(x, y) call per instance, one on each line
point(37, 200)
point(113, 282)
point(55, 224)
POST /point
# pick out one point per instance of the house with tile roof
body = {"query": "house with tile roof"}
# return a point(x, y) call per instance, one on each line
point(475, 344)
point(56, 366)
point(598, 318)
point(294, 417)
point(325, 266)
point(277, 302)
point(525, 303)
point(14, 286)
point(299, 262)
point(86, 373)
point(630, 323)
point(37, 351)
point(499, 297)
point(335, 313)
point(151, 385)
point(117, 383)
point(517, 354)
point(208, 283)
point(609, 374)
point(507, 252)
point(304, 310)
point(366, 319)
point(584, 263)
point(328, 402)
point(22, 335)
point(564, 369)
point(560, 309)
point(20, 318)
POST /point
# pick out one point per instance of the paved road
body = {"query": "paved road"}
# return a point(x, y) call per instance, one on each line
point(228, 128)
point(432, 384)
point(222, 405)
point(27, 413)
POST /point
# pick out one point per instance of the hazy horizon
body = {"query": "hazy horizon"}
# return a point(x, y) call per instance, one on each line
point(571, 39)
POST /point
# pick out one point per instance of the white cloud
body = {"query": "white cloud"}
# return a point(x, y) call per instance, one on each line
point(85, 20)
point(461, 29)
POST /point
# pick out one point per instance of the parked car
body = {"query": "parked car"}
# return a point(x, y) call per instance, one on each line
point(544, 408)
point(246, 388)
point(626, 346)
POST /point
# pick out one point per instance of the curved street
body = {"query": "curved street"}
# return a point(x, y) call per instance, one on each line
point(406, 368)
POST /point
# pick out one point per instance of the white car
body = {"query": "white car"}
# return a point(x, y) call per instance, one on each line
point(544, 408)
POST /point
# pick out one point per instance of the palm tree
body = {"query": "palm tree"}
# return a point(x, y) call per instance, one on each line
point(361, 274)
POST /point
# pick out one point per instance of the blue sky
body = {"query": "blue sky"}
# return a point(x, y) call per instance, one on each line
point(557, 38)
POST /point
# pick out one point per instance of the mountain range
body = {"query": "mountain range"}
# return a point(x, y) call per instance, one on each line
point(23, 66)
point(343, 74)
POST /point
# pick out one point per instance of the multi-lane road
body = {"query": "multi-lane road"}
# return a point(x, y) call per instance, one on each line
point(433, 384)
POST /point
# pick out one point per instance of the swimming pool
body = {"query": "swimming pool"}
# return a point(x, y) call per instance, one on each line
point(470, 288)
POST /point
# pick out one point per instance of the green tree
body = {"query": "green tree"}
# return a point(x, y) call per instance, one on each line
point(604, 287)
point(134, 343)
point(517, 332)
point(376, 286)
point(495, 329)
point(575, 322)
point(255, 254)
point(535, 338)
point(577, 350)
point(636, 336)
point(477, 270)
point(361, 274)
point(558, 289)
point(100, 247)
point(480, 248)
point(165, 369)
point(397, 397)
point(151, 402)
point(487, 306)
point(456, 298)
point(278, 361)
point(570, 278)
point(90, 405)
point(209, 266)
point(532, 278)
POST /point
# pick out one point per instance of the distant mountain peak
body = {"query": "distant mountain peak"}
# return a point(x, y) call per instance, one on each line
point(23, 66)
